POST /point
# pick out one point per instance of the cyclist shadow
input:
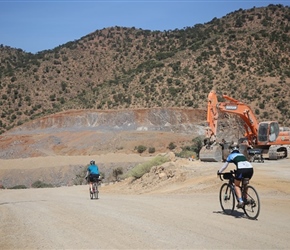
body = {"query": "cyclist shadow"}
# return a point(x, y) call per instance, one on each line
point(235, 213)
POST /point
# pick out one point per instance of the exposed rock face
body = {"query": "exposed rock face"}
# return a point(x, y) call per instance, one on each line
point(155, 119)
point(93, 131)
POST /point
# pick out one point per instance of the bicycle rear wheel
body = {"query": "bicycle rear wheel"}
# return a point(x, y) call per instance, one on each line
point(91, 194)
point(96, 191)
point(252, 204)
point(227, 198)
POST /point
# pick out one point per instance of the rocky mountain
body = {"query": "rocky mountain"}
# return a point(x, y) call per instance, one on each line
point(245, 54)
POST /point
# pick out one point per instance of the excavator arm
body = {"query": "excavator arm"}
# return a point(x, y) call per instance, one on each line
point(235, 107)
point(212, 115)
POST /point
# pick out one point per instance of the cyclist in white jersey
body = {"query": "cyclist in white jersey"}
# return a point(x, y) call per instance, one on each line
point(244, 169)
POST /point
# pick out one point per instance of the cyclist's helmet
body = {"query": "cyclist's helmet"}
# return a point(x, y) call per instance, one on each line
point(235, 149)
point(92, 162)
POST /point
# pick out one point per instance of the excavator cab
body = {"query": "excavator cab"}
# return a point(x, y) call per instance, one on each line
point(268, 132)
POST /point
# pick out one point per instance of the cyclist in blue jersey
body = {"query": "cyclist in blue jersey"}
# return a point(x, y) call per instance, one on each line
point(244, 169)
point(92, 173)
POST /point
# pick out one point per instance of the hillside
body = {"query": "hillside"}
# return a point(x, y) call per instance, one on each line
point(245, 54)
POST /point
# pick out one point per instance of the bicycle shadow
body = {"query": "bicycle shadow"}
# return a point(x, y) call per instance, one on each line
point(235, 213)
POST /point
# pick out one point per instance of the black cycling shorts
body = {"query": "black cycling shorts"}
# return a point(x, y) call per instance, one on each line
point(244, 173)
point(94, 177)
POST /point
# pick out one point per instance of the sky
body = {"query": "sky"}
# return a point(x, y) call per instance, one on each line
point(39, 25)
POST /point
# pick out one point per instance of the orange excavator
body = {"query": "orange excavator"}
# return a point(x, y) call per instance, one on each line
point(265, 136)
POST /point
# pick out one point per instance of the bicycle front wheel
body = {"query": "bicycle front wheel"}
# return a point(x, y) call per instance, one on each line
point(227, 198)
point(252, 203)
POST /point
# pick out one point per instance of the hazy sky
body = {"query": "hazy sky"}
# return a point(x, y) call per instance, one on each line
point(38, 25)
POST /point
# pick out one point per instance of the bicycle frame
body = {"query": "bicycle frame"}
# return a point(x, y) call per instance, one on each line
point(243, 187)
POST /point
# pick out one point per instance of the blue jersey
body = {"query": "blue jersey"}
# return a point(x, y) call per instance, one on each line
point(93, 169)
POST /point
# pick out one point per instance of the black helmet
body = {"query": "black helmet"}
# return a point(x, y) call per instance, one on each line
point(235, 149)
point(92, 162)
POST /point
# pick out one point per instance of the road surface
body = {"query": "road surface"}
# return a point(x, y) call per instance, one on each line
point(65, 218)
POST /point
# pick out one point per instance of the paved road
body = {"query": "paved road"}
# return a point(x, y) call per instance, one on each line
point(65, 218)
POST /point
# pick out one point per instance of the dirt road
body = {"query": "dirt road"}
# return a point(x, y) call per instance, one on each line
point(182, 215)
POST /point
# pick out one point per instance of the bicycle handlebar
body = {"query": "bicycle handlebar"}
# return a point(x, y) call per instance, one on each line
point(222, 174)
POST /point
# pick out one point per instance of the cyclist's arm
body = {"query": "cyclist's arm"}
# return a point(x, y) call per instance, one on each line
point(224, 167)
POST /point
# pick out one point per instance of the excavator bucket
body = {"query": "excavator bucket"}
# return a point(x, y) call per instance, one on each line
point(212, 153)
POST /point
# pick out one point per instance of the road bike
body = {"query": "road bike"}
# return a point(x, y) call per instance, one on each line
point(228, 196)
point(95, 192)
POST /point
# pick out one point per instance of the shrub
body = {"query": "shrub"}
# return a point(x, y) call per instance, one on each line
point(197, 144)
point(186, 154)
point(40, 184)
point(102, 175)
point(192, 150)
point(151, 150)
point(117, 172)
point(18, 187)
point(80, 176)
point(143, 168)
point(141, 149)
point(171, 146)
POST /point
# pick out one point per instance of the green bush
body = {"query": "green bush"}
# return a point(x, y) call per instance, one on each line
point(141, 149)
point(18, 187)
point(143, 168)
point(197, 144)
point(171, 146)
point(40, 184)
point(151, 150)
point(192, 150)
point(186, 154)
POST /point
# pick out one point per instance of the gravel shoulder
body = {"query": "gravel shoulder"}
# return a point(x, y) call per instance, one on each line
point(181, 212)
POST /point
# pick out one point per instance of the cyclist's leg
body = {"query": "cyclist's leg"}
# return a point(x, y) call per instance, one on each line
point(91, 183)
point(248, 174)
point(238, 189)
point(237, 182)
